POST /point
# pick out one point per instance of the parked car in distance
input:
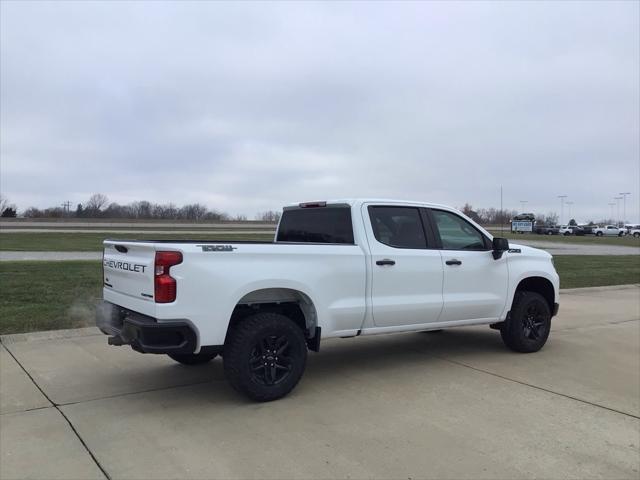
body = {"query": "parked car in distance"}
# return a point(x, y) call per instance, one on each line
point(335, 269)
point(585, 230)
point(634, 230)
point(546, 229)
point(608, 231)
point(578, 231)
point(565, 230)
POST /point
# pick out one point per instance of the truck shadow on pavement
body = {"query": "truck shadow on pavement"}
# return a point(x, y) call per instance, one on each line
point(366, 358)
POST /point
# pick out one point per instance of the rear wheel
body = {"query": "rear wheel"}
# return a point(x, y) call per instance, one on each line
point(598, 234)
point(265, 356)
point(636, 235)
point(192, 358)
point(529, 324)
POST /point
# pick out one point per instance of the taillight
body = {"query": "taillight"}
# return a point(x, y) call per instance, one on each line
point(165, 284)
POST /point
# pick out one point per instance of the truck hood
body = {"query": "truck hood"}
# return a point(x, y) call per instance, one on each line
point(529, 251)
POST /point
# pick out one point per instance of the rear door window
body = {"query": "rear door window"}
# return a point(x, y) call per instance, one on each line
point(399, 227)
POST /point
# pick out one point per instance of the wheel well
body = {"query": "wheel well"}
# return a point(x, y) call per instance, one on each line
point(539, 285)
point(288, 302)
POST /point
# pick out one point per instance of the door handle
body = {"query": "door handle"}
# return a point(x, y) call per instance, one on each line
point(454, 261)
point(386, 261)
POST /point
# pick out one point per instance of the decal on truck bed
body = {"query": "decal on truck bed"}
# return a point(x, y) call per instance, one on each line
point(217, 248)
point(130, 267)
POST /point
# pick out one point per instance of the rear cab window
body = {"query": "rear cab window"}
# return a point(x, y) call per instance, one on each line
point(317, 224)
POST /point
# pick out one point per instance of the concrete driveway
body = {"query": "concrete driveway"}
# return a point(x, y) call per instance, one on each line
point(450, 405)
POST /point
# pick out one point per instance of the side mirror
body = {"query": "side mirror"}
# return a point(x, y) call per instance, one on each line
point(499, 245)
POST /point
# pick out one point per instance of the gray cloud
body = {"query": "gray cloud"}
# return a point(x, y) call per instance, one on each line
point(246, 106)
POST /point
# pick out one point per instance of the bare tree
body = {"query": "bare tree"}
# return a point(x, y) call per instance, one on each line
point(194, 211)
point(268, 216)
point(7, 209)
point(33, 212)
point(96, 202)
point(4, 203)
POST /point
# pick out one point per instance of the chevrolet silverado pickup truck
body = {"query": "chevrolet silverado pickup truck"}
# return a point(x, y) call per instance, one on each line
point(335, 269)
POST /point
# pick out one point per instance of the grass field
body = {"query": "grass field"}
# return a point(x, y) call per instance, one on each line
point(578, 271)
point(48, 295)
point(628, 241)
point(88, 242)
point(54, 295)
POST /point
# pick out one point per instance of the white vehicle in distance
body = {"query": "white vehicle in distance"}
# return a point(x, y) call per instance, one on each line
point(565, 230)
point(608, 231)
point(338, 268)
point(634, 230)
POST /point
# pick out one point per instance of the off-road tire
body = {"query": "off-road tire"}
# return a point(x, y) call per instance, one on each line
point(255, 355)
point(193, 358)
point(528, 326)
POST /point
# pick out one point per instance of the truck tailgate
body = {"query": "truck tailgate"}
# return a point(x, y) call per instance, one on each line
point(128, 270)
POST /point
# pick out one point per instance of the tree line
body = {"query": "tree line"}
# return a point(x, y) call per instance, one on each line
point(98, 206)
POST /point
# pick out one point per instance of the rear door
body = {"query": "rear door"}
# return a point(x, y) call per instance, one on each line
point(475, 284)
point(128, 269)
point(406, 267)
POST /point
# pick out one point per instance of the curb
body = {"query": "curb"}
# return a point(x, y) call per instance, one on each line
point(49, 335)
point(600, 289)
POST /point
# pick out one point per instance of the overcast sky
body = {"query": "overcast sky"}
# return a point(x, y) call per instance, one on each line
point(247, 106)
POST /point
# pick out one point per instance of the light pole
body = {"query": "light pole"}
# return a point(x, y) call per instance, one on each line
point(569, 204)
point(624, 206)
point(522, 202)
point(617, 199)
point(562, 197)
point(611, 205)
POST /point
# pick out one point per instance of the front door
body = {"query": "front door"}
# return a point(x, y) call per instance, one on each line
point(406, 270)
point(475, 284)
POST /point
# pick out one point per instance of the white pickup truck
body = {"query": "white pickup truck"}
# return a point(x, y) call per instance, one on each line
point(336, 269)
point(608, 230)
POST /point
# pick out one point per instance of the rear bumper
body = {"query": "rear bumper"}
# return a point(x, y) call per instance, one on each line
point(145, 334)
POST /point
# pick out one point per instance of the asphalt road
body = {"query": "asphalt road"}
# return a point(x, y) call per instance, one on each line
point(562, 248)
point(449, 405)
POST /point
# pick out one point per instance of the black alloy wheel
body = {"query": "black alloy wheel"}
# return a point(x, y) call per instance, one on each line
point(529, 324)
point(270, 360)
point(265, 355)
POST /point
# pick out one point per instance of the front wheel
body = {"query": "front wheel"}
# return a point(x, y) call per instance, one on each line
point(636, 235)
point(192, 358)
point(598, 234)
point(265, 356)
point(529, 324)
